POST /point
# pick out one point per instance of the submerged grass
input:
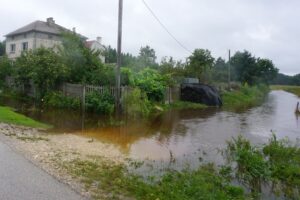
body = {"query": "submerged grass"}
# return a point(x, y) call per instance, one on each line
point(108, 180)
point(7, 115)
point(32, 138)
point(270, 169)
point(288, 88)
point(245, 97)
point(275, 164)
point(178, 105)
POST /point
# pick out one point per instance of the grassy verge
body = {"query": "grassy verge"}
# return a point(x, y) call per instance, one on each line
point(292, 89)
point(245, 97)
point(178, 105)
point(108, 180)
point(7, 115)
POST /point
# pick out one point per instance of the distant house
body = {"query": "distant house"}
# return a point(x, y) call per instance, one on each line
point(96, 45)
point(35, 35)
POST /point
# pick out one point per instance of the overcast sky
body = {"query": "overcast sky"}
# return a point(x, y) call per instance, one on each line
point(267, 28)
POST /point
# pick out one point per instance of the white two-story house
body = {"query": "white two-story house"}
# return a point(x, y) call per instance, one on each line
point(32, 36)
point(38, 34)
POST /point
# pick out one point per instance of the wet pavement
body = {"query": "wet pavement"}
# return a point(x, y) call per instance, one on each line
point(22, 180)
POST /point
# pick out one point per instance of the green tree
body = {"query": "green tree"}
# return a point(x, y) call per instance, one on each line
point(282, 79)
point(220, 70)
point(110, 55)
point(2, 48)
point(44, 67)
point(83, 62)
point(147, 58)
point(251, 70)
point(167, 65)
point(244, 65)
point(266, 70)
point(5, 68)
point(199, 63)
point(296, 79)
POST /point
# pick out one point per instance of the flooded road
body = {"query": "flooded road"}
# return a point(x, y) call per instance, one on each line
point(186, 137)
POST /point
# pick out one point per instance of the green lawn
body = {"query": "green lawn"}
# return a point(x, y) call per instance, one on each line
point(289, 88)
point(7, 115)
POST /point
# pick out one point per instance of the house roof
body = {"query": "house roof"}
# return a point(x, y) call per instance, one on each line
point(40, 26)
point(88, 44)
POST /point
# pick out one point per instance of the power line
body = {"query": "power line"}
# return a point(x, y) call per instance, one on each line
point(164, 27)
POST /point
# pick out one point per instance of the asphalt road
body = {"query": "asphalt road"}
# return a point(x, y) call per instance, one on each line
point(22, 180)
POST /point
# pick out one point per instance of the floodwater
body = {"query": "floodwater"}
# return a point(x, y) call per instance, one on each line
point(184, 138)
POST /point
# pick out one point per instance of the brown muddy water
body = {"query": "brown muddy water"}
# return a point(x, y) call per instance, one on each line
point(180, 139)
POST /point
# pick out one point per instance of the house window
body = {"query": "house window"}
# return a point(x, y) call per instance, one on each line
point(50, 36)
point(25, 35)
point(12, 48)
point(24, 46)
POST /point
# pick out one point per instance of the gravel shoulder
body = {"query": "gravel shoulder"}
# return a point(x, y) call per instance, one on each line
point(49, 151)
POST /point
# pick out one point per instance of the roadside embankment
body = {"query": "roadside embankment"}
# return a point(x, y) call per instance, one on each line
point(245, 97)
point(288, 88)
point(7, 115)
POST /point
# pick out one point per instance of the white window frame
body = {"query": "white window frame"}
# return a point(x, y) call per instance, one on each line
point(12, 48)
point(24, 44)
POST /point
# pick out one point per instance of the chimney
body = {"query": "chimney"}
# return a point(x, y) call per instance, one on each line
point(50, 21)
point(99, 39)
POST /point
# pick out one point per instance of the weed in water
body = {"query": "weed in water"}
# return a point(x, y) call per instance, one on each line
point(32, 138)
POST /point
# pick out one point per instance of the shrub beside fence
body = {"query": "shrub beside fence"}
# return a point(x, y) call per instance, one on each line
point(171, 94)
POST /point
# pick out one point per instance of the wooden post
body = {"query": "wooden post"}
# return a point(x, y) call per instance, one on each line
point(119, 61)
point(83, 99)
point(229, 70)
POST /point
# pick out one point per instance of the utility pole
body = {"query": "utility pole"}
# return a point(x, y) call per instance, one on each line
point(119, 62)
point(229, 70)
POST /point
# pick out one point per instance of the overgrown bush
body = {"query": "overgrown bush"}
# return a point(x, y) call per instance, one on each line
point(152, 83)
point(42, 66)
point(137, 104)
point(100, 103)
point(59, 100)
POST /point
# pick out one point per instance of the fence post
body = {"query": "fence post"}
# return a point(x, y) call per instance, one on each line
point(170, 95)
point(65, 88)
point(83, 99)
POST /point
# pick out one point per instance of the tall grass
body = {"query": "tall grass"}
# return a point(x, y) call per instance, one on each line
point(288, 88)
point(275, 165)
point(246, 96)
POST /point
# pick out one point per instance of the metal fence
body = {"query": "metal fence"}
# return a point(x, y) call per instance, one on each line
point(79, 90)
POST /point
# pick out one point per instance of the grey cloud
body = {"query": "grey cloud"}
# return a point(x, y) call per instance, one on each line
point(267, 28)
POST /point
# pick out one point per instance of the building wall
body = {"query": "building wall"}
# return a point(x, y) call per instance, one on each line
point(18, 40)
point(97, 46)
point(35, 40)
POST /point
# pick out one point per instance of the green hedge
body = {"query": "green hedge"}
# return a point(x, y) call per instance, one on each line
point(100, 103)
point(59, 100)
